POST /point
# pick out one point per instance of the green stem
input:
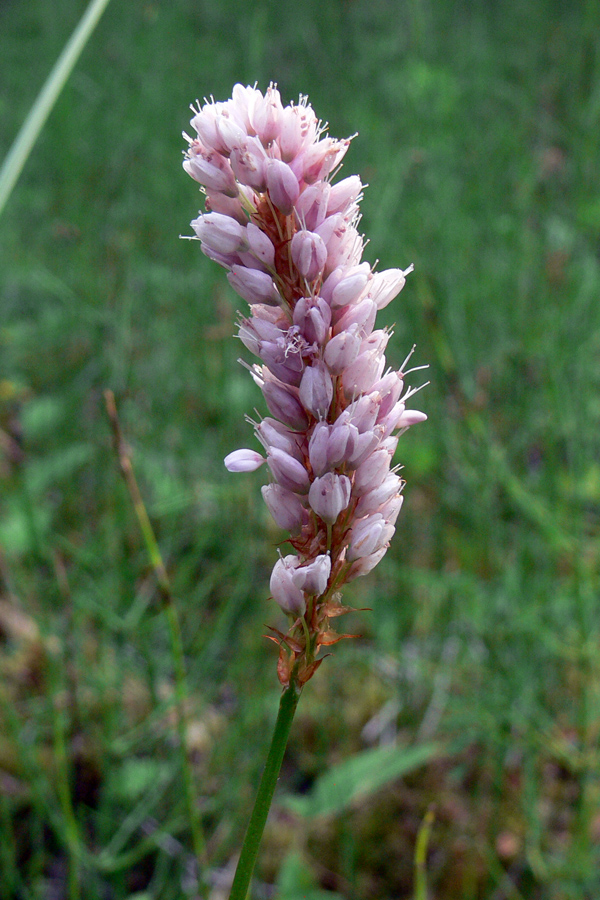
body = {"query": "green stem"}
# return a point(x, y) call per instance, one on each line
point(266, 788)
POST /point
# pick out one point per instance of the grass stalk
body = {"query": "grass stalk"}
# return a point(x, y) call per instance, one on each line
point(423, 836)
point(181, 693)
point(36, 119)
point(66, 804)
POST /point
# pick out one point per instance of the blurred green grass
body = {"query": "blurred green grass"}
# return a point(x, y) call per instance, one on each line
point(478, 132)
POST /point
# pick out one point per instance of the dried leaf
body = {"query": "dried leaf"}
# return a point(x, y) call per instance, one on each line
point(283, 668)
point(327, 638)
point(286, 639)
point(307, 673)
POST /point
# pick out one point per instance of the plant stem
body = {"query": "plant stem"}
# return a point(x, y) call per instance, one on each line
point(152, 548)
point(266, 788)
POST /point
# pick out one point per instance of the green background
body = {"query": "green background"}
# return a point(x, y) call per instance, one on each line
point(478, 136)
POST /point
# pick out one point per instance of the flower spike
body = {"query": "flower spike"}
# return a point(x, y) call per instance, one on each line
point(288, 238)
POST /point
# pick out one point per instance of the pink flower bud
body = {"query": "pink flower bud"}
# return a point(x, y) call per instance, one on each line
point(342, 350)
point(311, 206)
point(204, 124)
point(390, 443)
point(316, 389)
point(377, 340)
point(248, 260)
point(313, 316)
point(371, 473)
point(342, 442)
point(367, 536)
point(287, 471)
point(387, 285)
point(309, 254)
point(282, 185)
point(365, 564)
point(210, 169)
point(331, 282)
point(298, 129)
point(227, 206)
point(344, 248)
point(350, 288)
point(364, 446)
point(332, 228)
point(378, 496)
point(254, 332)
point(242, 102)
point(329, 495)
point(265, 116)
point(260, 244)
point(391, 508)
point(313, 578)
point(317, 448)
point(285, 507)
point(272, 433)
point(344, 244)
point(364, 412)
point(243, 461)
point(284, 405)
point(400, 417)
point(220, 233)
point(360, 375)
point(227, 260)
point(284, 591)
point(361, 314)
point(253, 285)
point(344, 194)
point(230, 133)
point(410, 417)
point(389, 389)
point(319, 159)
point(249, 164)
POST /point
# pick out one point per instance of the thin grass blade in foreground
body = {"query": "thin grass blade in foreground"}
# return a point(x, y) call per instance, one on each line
point(23, 144)
point(288, 238)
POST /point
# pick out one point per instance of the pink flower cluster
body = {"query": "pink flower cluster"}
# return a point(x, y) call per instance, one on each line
point(288, 237)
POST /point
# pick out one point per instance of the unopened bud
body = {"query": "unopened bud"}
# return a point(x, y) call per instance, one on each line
point(313, 317)
point(309, 254)
point(243, 461)
point(342, 350)
point(329, 495)
point(285, 507)
point(260, 244)
point(282, 185)
point(254, 286)
point(220, 233)
point(289, 597)
point(288, 471)
point(284, 405)
point(316, 389)
point(350, 288)
point(387, 285)
point(210, 169)
point(312, 579)
point(367, 536)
